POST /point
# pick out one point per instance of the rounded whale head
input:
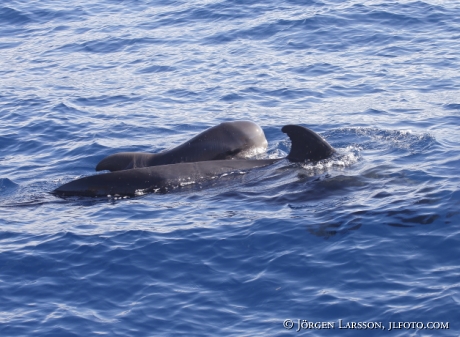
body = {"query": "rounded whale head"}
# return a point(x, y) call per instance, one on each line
point(228, 140)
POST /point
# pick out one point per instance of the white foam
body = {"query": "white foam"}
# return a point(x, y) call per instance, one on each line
point(140, 192)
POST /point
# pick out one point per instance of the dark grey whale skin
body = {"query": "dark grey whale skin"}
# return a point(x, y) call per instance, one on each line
point(149, 179)
point(306, 146)
point(227, 140)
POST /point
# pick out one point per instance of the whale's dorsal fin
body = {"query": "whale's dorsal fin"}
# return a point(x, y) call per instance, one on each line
point(306, 144)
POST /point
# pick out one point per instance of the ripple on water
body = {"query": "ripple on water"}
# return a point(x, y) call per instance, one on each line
point(368, 235)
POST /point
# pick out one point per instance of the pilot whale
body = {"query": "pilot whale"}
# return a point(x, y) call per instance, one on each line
point(228, 140)
point(306, 145)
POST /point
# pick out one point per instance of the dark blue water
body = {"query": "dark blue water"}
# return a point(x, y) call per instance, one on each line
point(372, 235)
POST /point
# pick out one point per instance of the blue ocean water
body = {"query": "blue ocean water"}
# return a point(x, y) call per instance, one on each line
point(372, 235)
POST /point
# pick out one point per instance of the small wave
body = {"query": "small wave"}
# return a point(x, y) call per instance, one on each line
point(373, 138)
point(7, 184)
point(156, 69)
point(13, 17)
point(104, 46)
point(105, 100)
point(343, 158)
point(452, 106)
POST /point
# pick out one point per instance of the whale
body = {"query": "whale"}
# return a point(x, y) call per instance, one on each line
point(306, 146)
point(228, 140)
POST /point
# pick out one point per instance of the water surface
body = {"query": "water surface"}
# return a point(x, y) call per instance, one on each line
point(369, 236)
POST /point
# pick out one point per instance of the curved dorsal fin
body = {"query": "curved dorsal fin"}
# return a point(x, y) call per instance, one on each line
point(306, 144)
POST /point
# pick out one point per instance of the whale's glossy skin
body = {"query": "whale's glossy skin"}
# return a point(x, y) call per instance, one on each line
point(227, 140)
point(306, 146)
point(149, 179)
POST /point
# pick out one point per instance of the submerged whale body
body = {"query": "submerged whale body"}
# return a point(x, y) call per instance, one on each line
point(306, 146)
point(227, 140)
